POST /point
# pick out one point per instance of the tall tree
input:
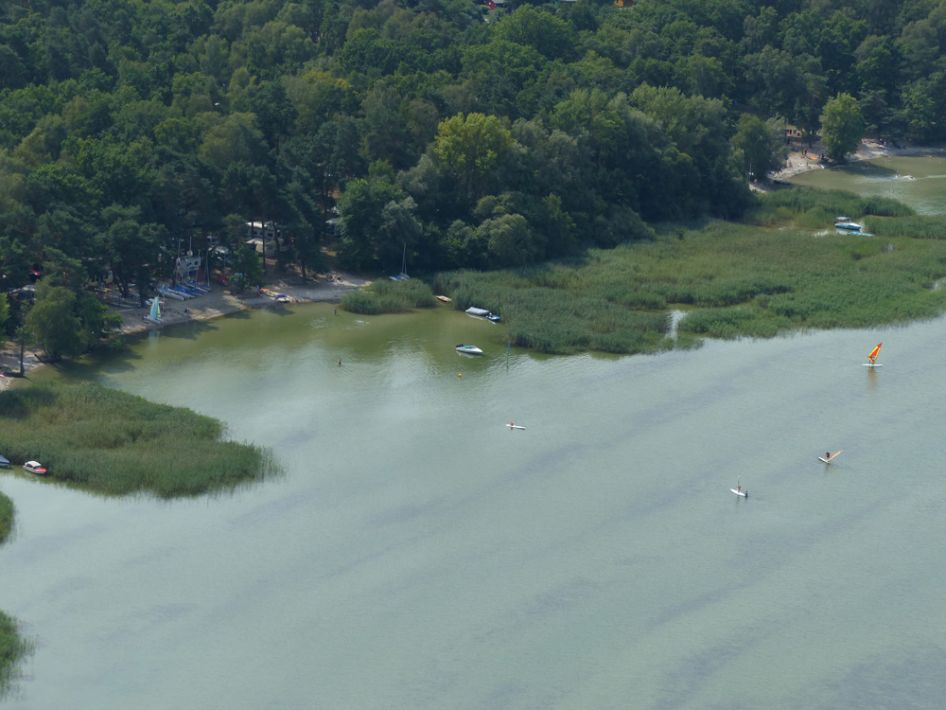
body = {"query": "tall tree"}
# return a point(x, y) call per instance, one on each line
point(53, 324)
point(758, 145)
point(471, 148)
point(842, 126)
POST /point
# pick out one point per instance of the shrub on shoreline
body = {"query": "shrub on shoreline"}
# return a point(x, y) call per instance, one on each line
point(116, 443)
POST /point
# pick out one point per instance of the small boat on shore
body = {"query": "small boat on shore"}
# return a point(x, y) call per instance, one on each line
point(444, 299)
point(848, 226)
point(35, 467)
point(468, 349)
point(476, 312)
point(4, 462)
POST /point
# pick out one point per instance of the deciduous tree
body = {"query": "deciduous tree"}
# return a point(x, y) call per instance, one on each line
point(842, 126)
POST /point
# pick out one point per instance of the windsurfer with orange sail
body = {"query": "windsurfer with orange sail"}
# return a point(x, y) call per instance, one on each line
point(872, 355)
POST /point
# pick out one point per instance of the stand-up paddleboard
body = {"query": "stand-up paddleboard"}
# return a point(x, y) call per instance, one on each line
point(831, 456)
point(511, 425)
point(742, 493)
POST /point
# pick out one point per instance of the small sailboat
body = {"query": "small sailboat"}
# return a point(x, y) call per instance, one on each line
point(154, 315)
point(403, 275)
point(739, 491)
point(830, 456)
point(872, 356)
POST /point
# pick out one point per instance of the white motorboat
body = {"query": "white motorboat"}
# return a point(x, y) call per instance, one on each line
point(35, 467)
point(469, 349)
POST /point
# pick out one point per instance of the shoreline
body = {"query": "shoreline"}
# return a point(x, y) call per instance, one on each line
point(798, 161)
point(219, 302)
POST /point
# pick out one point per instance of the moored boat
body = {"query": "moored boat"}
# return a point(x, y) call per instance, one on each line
point(35, 467)
point(848, 226)
point(4, 462)
point(469, 349)
point(478, 312)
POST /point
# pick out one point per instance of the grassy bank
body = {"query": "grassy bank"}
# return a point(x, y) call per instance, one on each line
point(386, 296)
point(117, 443)
point(783, 268)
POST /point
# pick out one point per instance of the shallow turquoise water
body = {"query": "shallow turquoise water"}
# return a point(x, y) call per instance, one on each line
point(418, 554)
point(918, 181)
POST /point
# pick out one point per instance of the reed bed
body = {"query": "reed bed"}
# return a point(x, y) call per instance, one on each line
point(12, 648)
point(915, 227)
point(546, 311)
point(6, 517)
point(389, 297)
point(116, 443)
point(810, 208)
point(731, 279)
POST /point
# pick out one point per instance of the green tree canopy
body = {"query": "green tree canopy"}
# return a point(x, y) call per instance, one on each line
point(842, 126)
point(758, 145)
point(53, 323)
point(471, 148)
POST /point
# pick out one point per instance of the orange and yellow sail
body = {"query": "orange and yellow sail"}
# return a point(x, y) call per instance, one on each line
point(872, 355)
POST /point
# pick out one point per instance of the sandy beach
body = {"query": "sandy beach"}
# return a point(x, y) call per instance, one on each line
point(801, 161)
point(218, 302)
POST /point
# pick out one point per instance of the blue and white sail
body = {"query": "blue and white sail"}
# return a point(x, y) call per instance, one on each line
point(155, 314)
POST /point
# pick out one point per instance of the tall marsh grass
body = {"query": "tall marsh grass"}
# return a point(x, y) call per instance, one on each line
point(810, 208)
point(916, 227)
point(784, 268)
point(12, 648)
point(386, 296)
point(117, 443)
point(6, 517)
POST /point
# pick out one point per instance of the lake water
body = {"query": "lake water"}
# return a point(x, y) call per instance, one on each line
point(416, 553)
point(919, 181)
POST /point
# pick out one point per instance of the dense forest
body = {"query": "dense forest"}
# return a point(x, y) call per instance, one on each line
point(464, 134)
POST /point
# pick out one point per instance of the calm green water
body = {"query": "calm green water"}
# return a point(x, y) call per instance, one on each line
point(919, 181)
point(418, 554)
